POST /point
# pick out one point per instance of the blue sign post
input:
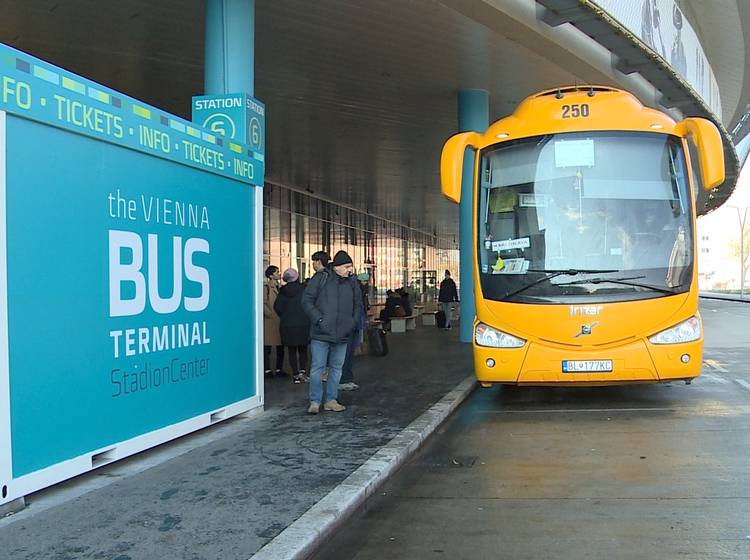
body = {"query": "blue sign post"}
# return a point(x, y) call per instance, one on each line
point(127, 275)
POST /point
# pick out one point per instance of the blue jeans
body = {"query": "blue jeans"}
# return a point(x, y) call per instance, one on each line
point(332, 355)
point(447, 309)
point(347, 375)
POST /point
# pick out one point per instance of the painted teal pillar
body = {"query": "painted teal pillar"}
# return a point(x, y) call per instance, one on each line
point(230, 47)
point(473, 114)
point(229, 78)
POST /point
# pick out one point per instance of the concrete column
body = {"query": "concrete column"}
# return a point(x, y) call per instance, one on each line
point(473, 114)
point(229, 68)
point(230, 47)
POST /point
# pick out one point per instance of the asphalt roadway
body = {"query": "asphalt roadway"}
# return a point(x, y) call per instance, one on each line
point(632, 472)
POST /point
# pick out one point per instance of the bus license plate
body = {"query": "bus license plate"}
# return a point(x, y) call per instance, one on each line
point(586, 366)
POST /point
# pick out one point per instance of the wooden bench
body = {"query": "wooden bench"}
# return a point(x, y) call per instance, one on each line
point(403, 324)
point(428, 318)
point(418, 310)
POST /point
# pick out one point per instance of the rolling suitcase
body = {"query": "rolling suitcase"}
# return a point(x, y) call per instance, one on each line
point(440, 319)
point(376, 341)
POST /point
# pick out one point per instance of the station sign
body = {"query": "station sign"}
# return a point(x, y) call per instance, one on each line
point(235, 116)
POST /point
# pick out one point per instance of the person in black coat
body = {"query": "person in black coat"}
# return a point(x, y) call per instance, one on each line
point(404, 301)
point(447, 296)
point(392, 304)
point(295, 326)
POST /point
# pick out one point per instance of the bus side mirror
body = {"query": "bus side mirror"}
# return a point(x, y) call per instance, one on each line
point(707, 140)
point(452, 162)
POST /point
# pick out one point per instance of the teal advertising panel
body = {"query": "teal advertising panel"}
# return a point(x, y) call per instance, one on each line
point(127, 264)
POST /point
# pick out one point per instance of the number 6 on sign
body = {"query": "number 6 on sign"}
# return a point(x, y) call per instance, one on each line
point(255, 134)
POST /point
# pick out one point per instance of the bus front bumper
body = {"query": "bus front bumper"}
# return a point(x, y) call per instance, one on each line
point(638, 361)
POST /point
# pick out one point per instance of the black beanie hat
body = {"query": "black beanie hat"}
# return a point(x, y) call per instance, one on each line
point(342, 257)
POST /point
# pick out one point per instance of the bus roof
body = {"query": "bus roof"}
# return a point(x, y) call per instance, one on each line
point(578, 108)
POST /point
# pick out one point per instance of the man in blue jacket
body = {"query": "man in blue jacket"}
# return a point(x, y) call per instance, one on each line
point(333, 302)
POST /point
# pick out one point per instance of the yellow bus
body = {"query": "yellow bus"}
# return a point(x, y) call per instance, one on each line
point(584, 236)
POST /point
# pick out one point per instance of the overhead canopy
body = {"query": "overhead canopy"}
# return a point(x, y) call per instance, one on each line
point(360, 96)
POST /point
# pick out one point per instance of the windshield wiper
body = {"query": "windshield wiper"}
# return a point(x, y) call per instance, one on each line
point(572, 271)
point(623, 281)
point(554, 273)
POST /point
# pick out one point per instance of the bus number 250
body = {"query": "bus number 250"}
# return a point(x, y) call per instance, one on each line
point(575, 111)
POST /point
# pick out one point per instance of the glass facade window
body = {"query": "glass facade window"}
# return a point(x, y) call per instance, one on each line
point(296, 224)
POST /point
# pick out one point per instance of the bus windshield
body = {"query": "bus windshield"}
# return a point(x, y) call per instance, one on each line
point(584, 217)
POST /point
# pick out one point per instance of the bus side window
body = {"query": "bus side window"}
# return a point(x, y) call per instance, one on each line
point(695, 169)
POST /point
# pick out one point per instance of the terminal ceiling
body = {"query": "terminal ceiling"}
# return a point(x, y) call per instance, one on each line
point(360, 95)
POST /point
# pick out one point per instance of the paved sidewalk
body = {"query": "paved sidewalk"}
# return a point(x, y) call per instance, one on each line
point(724, 296)
point(230, 497)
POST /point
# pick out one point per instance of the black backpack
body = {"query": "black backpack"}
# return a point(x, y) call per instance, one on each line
point(377, 342)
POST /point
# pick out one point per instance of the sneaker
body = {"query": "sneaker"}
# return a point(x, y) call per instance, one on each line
point(268, 373)
point(350, 386)
point(298, 379)
point(305, 378)
point(281, 373)
point(314, 408)
point(334, 406)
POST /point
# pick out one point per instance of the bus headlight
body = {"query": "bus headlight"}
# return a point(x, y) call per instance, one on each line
point(487, 336)
point(687, 331)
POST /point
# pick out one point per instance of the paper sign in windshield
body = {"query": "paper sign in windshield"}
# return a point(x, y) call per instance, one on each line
point(532, 200)
point(513, 266)
point(508, 244)
point(574, 153)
